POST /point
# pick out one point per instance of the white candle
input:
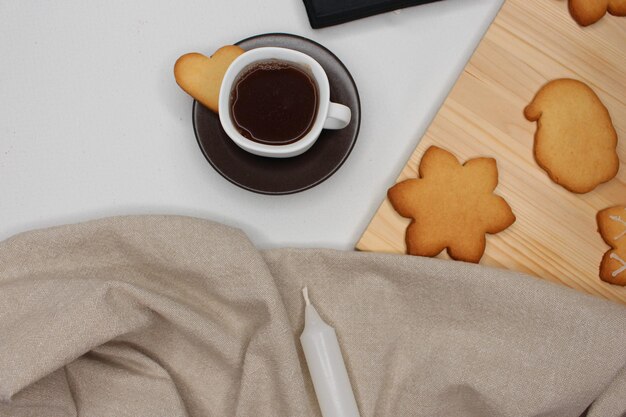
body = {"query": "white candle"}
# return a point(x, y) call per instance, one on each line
point(326, 366)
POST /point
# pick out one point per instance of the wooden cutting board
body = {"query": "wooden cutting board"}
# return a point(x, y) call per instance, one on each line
point(529, 43)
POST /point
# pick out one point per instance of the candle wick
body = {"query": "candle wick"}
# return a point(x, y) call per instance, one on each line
point(305, 293)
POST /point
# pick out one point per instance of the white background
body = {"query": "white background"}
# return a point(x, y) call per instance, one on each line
point(92, 123)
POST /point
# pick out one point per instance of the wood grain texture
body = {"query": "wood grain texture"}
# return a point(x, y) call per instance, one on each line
point(530, 43)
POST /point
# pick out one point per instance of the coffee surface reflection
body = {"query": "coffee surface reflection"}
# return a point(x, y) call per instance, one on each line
point(274, 102)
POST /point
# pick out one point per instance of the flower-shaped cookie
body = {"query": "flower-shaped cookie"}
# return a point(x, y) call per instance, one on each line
point(612, 227)
point(587, 12)
point(452, 206)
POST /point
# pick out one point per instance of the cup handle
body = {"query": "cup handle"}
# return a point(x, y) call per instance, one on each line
point(338, 116)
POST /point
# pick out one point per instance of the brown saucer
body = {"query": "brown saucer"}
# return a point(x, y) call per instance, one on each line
point(289, 175)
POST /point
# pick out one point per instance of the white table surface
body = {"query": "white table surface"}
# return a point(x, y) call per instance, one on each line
point(92, 123)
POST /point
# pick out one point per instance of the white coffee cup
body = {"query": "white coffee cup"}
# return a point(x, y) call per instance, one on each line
point(329, 115)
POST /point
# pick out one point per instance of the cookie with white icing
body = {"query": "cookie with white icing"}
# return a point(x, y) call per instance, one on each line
point(612, 228)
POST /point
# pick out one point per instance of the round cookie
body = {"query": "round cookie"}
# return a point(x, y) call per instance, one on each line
point(575, 141)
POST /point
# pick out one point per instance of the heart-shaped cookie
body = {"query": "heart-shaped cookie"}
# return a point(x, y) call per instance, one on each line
point(201, 77)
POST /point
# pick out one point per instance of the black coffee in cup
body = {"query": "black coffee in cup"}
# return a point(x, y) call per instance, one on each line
point(274, 102)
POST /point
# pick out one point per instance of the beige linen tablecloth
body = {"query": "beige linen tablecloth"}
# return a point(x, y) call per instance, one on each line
point(174, 316)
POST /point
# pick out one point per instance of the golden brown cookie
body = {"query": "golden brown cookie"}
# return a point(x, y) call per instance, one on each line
point(451, 205)
point(575, 141)
point(612, 228)
point(587, 12)
point(201, 77)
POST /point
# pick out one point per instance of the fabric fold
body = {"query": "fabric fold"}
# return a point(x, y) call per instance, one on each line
point(176, 316)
